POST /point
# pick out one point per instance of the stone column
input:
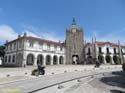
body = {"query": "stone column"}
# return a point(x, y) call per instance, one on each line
point(64, 61)
point(51, 61)
point(35, 61)
point(112, 61)
point(44, 60)
point(58, 60)
point(105, 59)
point(24, 60)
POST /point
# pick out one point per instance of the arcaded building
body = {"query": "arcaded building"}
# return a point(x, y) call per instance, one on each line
point(104, 52)
point(29, 51)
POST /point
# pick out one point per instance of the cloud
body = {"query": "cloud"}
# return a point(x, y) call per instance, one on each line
point(42, 33)
point(52, 36)
point(30, 34)
point(7, 33)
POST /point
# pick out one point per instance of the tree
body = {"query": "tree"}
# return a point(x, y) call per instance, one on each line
point(2, 51)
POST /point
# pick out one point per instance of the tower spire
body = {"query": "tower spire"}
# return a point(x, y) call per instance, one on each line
point(73, 21)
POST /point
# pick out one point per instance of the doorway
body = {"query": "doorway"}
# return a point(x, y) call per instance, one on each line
point(75, 59)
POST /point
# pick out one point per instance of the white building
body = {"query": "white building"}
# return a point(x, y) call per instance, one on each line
point(27, 50)
point(105, 52)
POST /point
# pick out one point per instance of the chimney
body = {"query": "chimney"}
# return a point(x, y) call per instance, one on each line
point(6, 41)
point(19, 36)
point(25, 34)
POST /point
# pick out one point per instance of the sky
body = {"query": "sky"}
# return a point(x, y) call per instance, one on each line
point(48, 19)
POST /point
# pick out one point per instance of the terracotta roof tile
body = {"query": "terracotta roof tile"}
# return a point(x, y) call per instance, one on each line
point(37, 39)
point(104, 43)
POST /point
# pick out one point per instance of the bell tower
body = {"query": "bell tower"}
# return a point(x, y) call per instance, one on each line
point(74, 44)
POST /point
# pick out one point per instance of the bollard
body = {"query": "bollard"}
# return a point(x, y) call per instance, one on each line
point(52, 73)
point(75, 69)
point(103, 74)
point(7, 75)
point(25, 73)
point(79, 80)
point(65, 71)
point(60, 86)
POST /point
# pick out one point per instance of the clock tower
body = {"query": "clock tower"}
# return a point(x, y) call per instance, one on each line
point(74, 44)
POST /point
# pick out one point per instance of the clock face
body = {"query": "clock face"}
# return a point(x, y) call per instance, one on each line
point(73, 30)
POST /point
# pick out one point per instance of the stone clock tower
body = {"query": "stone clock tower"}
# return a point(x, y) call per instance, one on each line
point(74, 44)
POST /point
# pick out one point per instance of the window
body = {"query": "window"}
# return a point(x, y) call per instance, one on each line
point(15, 45)
point(114, 50)
point(20, 44)
point(6, 47)
point(40, 45)
point(31, 43)
point(88, 50)
point(55, 47)
point(13, 60)
point(6, 59)
point(100, 50)
point(48, 46)
point(107, 49)
point(10, 46)
point(9, 60)
point(121, 51)
point(61, 48)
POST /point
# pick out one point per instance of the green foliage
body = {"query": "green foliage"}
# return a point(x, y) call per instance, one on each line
point(2, 52)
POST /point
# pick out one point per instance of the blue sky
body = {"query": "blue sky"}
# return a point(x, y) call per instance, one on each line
point(49, 19)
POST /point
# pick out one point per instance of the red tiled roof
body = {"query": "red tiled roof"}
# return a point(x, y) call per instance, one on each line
point(104, 43)
point(44, 40)
point(37, 39)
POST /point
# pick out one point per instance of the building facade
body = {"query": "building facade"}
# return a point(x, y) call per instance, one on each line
point(27, 50)
point(104, 52)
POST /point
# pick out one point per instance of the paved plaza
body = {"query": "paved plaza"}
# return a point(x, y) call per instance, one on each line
point(58, 79)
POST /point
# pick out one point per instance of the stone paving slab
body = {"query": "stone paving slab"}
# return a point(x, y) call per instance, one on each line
point(43, 82)
point(56, 69)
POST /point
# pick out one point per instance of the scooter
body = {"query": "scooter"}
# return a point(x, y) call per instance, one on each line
point(42, 70)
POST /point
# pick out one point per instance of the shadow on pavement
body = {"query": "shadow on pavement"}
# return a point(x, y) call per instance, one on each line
point(116, 79)
point(116, 91)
